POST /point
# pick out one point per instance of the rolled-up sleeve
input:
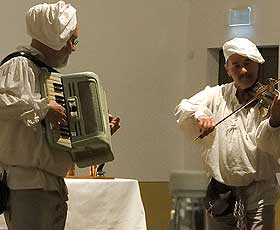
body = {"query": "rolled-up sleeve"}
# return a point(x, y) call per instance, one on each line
point(188, 110)
point(20, 98)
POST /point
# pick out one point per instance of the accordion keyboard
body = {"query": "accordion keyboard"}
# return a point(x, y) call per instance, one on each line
point(54, 91)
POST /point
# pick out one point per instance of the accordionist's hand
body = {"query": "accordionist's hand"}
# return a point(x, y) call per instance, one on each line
point(56, 115)
point(114, 123)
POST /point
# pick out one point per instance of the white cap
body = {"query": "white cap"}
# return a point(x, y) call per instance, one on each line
point(243, 47)
point(51, 24)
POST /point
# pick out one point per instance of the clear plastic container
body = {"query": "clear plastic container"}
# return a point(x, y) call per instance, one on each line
point(188, 189)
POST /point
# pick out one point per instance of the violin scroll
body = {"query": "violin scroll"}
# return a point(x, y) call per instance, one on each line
point(265, 95)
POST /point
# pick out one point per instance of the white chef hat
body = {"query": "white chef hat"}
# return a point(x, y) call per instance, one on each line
point(243, 47)
point(51, 24)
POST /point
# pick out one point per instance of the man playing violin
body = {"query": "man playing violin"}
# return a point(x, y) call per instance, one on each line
point(240, 154)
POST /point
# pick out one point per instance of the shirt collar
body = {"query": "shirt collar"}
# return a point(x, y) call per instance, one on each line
point(33, 51)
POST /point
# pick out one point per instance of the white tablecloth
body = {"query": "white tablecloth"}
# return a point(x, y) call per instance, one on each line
point(103, 204)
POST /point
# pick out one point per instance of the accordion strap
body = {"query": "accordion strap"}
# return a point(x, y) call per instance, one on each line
point(30, 57)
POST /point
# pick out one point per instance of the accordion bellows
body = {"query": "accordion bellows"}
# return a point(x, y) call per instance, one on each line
point(87, 133)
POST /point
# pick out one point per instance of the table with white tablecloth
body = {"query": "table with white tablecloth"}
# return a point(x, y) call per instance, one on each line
point(102, 204)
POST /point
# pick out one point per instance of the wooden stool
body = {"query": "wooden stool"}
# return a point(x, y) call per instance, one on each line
point(92, 173)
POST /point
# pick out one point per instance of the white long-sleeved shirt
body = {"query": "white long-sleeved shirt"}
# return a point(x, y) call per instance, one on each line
point(242, 149)
point(24, 150)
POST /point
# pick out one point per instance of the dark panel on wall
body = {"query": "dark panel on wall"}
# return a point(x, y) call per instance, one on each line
point(268, 70)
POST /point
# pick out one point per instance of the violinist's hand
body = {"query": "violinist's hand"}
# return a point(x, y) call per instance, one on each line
point(56, 114)
point(206, 125)
point(274, 119)
point(114, 123)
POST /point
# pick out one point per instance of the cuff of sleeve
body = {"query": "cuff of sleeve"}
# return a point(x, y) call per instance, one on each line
point(44, 108)
point(198, 114)
point(30, 118)
point(34, 116)
point(269, 127)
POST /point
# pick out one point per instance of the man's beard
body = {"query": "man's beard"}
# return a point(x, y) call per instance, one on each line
point(60, 63)
point(248, 79)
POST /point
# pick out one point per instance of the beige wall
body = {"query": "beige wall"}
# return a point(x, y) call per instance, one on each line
point(138, 49)
point(149, 54)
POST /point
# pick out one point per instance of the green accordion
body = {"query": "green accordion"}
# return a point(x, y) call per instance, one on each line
point(87, 132)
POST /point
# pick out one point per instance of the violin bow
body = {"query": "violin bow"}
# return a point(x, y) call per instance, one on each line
point(263, 89)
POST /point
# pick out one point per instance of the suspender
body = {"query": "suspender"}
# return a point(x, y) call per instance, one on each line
point(29, 57)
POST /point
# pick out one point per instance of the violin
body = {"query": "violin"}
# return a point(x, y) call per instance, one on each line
point(264, 94)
